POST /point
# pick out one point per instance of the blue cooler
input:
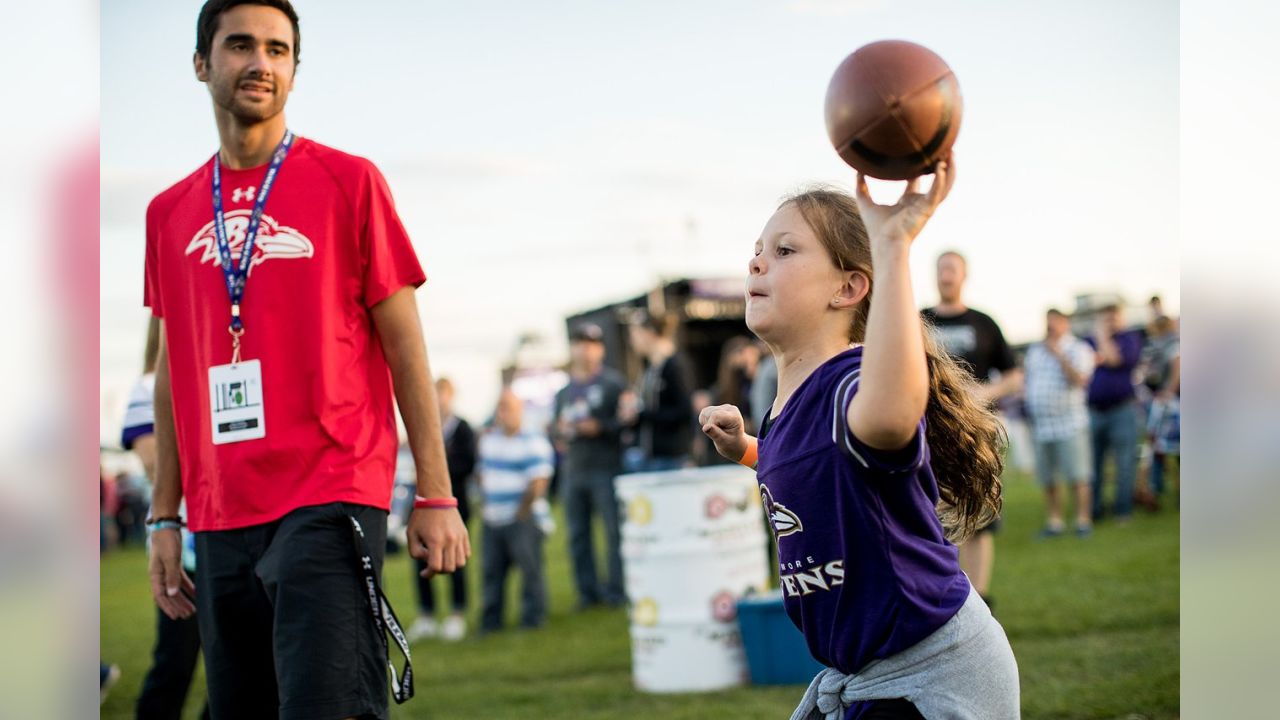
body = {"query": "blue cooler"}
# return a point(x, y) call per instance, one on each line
point(775, 649)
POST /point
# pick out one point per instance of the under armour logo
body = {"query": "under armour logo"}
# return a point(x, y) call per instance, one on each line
point(243, 194)
point(366, 562)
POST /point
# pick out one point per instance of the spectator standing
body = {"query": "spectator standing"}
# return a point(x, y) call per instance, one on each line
point(975, 340)
point(1160, 385)
point(515, 469)
point(663, 413)
point(1057, 372)
point(1156, 307)
point(587, 432)
point(1113, 410)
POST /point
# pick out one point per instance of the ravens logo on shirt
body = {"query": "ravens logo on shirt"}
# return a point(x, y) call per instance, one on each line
point(784, 521)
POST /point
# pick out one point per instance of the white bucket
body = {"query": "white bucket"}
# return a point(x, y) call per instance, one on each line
point(688, 657)
point(693, 543)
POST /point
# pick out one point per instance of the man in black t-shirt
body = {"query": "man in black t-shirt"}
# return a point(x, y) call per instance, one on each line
point(970, 336)
point(975, 340)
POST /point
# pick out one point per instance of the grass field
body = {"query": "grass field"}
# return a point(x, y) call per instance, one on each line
point(1093, 623)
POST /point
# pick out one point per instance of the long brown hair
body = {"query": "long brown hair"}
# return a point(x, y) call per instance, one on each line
point(966, 440)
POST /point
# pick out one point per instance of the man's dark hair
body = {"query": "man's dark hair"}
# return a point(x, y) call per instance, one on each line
point(1055, 312)
point(207, 25)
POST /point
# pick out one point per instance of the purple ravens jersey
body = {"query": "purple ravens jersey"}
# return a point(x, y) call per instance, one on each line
point(865, 569)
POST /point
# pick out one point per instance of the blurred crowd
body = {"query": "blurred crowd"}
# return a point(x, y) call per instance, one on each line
point(1102, 413)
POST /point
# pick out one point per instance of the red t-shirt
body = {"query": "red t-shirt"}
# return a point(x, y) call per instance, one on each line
point(329, 247)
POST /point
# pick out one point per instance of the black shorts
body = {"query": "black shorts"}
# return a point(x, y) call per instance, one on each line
point(285, 620)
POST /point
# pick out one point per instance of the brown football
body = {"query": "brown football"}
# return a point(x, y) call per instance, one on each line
point(893, 109)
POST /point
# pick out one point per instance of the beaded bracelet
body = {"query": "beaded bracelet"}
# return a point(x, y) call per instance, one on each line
point(175, 519)
point(420, 502)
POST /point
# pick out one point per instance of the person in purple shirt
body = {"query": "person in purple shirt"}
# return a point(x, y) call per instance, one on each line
point(1113, 409)
point(874, 460)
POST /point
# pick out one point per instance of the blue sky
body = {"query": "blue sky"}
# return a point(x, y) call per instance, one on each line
point(552, 157)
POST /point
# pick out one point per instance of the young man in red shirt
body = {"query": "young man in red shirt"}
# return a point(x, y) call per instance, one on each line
point(284, 281)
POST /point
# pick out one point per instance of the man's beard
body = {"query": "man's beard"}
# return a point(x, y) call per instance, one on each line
point(247, 113)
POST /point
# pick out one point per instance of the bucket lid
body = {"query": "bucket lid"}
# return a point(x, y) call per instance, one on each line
point(687, 476)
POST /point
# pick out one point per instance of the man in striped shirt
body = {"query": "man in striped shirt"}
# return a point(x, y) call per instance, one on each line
point(515, 468)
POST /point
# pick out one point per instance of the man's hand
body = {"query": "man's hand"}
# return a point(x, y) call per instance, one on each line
point(439, 537)
point(723, 424)
point(628, 407)
point(563, 430)
point(536, 491)
point(168, 581)
point(436, 535)
point(588, 428)
point(170, 586)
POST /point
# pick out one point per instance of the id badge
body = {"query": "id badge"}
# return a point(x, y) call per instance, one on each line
point(235, 401)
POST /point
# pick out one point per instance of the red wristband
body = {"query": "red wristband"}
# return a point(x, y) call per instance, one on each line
point(420, 502)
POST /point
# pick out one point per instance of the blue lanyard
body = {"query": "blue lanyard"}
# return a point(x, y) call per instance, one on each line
point(237, 275)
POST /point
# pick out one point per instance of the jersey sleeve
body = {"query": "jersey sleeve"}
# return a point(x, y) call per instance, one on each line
point(1001, 354)
point(390, 262)
point(892, 462)
point(151, 264)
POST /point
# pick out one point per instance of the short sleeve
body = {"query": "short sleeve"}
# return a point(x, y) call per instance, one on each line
point(151, 264)
point(541, 457)
point(893, 462)
point(1001, 354)
point(390, 262)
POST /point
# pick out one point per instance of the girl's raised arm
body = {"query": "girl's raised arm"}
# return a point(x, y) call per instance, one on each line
point(894, 384)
